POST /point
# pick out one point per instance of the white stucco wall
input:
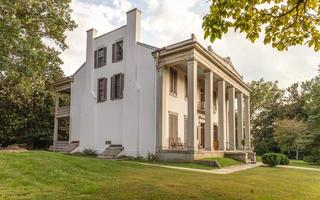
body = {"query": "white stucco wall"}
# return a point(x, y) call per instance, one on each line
point(128, 121)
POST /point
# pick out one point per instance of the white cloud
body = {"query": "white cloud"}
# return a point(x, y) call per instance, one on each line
point(167, 21)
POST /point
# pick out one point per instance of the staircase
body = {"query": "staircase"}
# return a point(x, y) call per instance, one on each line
point(112, 151)
point(65, 146)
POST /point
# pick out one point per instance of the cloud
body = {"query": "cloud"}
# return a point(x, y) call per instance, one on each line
point(165, 22)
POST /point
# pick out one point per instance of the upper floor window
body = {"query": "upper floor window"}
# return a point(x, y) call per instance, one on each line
point(100, 57)
point(102, 90)
point(117, 51)
point(173, 82)
point(117, 86)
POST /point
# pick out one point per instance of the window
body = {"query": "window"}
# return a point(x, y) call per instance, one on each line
point(117, 86)
point(214, 102)
point(173, 82)
point(100, 57)
point(101, 90)
point(117, 51)
point(173, 129)
point(186, 86)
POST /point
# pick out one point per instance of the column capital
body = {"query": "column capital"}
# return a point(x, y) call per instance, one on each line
point(192, 59)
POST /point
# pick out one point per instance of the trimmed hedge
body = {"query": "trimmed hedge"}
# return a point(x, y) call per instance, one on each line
point(284, 160)
point(273, 159)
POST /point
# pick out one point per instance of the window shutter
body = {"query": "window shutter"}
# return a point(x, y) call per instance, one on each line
point(121, 84)
point(113, 53)
point(105, 89)
point(95, 59)
point(112, 88)
point(104, 55)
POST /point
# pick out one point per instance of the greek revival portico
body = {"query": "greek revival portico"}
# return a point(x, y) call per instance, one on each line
point(226, 103)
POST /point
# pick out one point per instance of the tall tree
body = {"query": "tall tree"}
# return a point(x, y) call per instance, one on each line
point(312, 106)
point(289, 134)
point(266, 107)
point(29, 66)
point(282, 23)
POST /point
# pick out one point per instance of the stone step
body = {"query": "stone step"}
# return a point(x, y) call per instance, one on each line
point(111, 152)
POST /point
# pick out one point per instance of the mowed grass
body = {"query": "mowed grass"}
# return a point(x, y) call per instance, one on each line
point(45, 175)
point(301, 163)
point(224, 162)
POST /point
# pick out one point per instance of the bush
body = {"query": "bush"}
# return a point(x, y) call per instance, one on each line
point(90, 152)
point(151, 157)
point(284, 160)
point(270, 159)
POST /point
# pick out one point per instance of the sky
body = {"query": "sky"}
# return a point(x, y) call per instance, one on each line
point(169, 21)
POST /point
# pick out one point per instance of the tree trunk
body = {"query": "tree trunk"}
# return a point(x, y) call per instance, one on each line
point(297, 153)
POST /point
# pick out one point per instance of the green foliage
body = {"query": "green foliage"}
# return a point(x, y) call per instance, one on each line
point(283, 23)
point(266, 106)
point(90, 152)
point(29, 67)
point(289, 133)
point(312, 107)
point(284, 160)
point(270, 159)
point(151, 157)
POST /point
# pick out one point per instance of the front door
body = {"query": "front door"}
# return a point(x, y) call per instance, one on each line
point(215, 137)
point(202, 135)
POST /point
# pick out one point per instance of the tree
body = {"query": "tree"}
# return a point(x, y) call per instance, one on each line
point(289, 133)
point(29, 66)
point(312, 106)
point(266, 107)
point(282, 23)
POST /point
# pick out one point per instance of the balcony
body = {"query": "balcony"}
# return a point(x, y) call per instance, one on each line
point(63, 111)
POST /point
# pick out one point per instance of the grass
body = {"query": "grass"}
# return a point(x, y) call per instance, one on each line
point(179, 164)
point(46, 176)
point(301, 163)
point(224, 162)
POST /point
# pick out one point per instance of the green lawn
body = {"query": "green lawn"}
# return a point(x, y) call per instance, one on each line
point(44, 175)
point(224, 162)
point(301, 163)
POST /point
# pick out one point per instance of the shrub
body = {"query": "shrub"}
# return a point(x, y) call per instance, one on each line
point(284, 160)
point(151, 157)
point(90, 152)
point(270, 159)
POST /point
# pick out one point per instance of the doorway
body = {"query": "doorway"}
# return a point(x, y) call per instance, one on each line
point(202, 125)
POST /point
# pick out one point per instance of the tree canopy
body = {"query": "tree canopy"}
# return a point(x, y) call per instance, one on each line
point(32, 35)
point(282, 23)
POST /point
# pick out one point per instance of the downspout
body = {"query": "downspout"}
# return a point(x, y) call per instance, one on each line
point(138, 113)
point(156, 98)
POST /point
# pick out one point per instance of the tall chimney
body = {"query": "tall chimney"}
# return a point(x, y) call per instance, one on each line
point(133, 24)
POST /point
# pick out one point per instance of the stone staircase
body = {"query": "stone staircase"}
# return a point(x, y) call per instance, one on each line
point(65, 146)
point(112, 151)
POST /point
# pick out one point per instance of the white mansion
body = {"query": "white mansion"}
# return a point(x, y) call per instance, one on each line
point(180, 102)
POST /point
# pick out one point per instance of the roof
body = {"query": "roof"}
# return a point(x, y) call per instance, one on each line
point(193, 43)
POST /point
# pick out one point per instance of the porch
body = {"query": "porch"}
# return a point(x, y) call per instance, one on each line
point(61, 135)
point(216, 108)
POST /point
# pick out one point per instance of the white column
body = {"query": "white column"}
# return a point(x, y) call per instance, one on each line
point(231, 117)
point(221, 115)
point(192, 105)
point(240, 119)
point(161, 109)
point(208, 139)
point(56, 125)
point(247, 122)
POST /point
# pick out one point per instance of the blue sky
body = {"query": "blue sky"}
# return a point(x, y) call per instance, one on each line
point(169, 21)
